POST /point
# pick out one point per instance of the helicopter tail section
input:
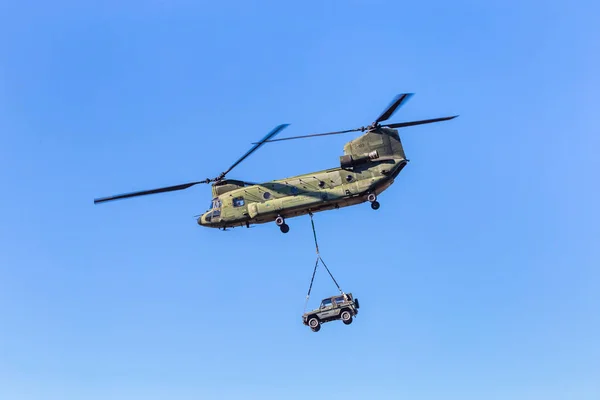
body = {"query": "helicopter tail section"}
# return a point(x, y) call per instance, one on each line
point(385, 142)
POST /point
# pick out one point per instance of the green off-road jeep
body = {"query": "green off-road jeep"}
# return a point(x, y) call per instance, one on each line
point(343, 307)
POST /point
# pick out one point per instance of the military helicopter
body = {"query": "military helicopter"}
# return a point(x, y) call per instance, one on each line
point(369, 166)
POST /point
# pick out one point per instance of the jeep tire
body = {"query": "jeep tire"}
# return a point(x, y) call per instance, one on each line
point(314, 324)
point(346, 317)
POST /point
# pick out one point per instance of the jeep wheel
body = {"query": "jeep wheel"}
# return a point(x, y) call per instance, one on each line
point(346, 317)
point(314, 324)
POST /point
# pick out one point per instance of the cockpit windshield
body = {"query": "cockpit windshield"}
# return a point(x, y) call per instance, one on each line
point(215, 204)
point(214, 211)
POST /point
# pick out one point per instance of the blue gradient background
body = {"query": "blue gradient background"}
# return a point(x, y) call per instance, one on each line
point(478, 276)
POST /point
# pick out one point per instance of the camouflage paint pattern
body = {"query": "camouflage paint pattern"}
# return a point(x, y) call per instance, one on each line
point(370, 164)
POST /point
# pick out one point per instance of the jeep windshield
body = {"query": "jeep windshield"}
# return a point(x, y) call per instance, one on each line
point(326, 303)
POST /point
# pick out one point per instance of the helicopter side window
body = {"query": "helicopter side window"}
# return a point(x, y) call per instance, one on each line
point(238, 202)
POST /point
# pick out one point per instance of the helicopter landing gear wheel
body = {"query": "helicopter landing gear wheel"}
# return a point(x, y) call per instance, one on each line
point(372, 197)
point(280, 221)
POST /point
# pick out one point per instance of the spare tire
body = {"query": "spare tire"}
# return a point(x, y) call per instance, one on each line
point(356, 303)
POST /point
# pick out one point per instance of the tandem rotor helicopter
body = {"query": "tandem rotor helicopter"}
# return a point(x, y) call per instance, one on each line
point(369, 166)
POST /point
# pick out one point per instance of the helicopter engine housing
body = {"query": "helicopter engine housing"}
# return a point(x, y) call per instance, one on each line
point(348, 161)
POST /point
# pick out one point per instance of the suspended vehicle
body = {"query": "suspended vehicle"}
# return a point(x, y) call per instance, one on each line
point(368, 167)
point(342, 307)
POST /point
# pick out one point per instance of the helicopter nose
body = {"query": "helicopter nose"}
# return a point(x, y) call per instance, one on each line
point(204, 219)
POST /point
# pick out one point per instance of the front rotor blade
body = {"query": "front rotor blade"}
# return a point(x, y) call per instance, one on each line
point(313, 135)
point(397, 102)
point(271, 134)
point(421, 122)
point(146, 192)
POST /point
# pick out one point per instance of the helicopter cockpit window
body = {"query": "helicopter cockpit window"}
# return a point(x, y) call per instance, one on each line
point(216, 203)
point(238, 202)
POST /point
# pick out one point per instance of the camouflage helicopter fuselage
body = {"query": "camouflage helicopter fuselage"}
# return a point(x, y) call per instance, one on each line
point(369, 166)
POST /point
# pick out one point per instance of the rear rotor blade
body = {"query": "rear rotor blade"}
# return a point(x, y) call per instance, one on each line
point(397, 102)
point(256, 146)
point(421, 122)
point(146, 192)
point(396, 125)
point(313, 135)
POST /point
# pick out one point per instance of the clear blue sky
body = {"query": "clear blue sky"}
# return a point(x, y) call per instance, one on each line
point(478, 277)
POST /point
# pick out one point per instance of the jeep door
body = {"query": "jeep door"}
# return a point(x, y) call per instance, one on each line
point(327, 309)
